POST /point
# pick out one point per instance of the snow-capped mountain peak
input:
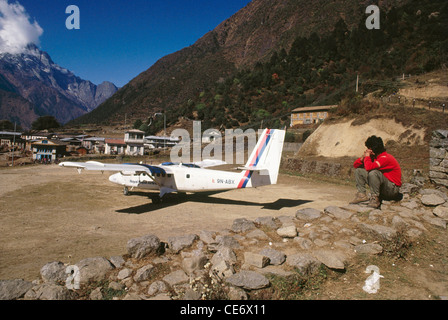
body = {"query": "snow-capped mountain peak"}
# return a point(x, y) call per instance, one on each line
point(53, 90)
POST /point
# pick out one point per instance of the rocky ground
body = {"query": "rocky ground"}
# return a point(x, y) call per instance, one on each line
point(331, 253)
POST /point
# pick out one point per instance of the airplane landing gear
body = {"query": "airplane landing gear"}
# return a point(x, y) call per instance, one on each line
point(126, 191)
point(156, 199)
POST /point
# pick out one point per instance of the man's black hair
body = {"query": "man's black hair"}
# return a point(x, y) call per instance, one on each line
point(375, 144)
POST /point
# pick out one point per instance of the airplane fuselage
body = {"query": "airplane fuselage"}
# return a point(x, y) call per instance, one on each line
point(185, 179)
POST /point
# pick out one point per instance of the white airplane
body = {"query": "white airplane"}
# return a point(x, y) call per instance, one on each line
point(261, 169)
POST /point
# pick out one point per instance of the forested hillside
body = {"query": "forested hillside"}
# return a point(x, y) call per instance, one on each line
point(322, 70)
point(303, 53)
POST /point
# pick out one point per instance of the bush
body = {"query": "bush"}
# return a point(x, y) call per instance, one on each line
point(306, 134)
point(45, 123)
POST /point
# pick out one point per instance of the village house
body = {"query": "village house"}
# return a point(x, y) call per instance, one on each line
point(310, 115)
point(134, 140)
point(114, 146)
point(47, 150)
point(82, 151)
point(72, 143)
point(94, 144)
point(11, 139)
point(153, 142)
point(31, 137)
point(36, 135)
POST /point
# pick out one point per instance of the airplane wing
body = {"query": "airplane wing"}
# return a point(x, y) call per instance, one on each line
point(262, 171)
point(128, 168)
point(206, 163)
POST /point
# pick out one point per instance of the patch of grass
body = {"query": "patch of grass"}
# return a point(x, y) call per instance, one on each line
point(398, 246)
point(160, 270)
point(293, 287)
point(108, 293)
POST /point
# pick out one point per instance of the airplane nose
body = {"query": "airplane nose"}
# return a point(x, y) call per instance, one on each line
point(116, 178)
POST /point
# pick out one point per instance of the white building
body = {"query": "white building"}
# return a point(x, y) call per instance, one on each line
point(153, 142)
point(114, 146)
point(134, 140)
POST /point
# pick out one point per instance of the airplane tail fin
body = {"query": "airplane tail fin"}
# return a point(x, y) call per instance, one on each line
point(263, 164)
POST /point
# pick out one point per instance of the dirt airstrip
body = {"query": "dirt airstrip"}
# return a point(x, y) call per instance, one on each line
point(49, 213)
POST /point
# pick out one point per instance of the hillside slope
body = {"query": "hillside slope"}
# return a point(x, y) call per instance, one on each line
point(17, 109)
point(245, 39)
point(343, 139)
point(405, 128)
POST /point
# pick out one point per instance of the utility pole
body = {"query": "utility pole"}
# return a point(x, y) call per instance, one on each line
point(357, 82)
point(13, 144)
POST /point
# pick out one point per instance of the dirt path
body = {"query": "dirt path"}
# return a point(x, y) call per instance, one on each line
point(50, 213)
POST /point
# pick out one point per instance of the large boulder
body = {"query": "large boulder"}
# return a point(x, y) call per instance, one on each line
point(177, 243)
point(249, 280)
point(304, 263)
point(14, 289)
point(148, 245)
point(308, 214)
point(378, 231)
point(93, 269)
point(242, 225)
point(50, 291)
point(53, 272)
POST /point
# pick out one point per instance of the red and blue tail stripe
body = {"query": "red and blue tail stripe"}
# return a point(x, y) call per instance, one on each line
point(256, 157)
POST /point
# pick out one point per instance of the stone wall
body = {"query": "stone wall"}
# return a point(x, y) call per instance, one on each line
point(308, 166)
point(438, 158)
point(291, 147)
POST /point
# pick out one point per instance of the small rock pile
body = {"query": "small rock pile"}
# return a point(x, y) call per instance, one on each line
point(233, 263)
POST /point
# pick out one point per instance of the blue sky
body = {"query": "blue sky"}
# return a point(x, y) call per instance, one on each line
point(119, 39)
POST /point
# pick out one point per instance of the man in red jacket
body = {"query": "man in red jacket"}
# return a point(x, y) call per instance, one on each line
point(380, 171)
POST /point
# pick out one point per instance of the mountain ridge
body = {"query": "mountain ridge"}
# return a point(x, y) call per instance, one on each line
point(249, 36)
point(51, 89)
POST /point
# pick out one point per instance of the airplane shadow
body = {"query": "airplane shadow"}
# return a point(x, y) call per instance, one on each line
point(176, 199)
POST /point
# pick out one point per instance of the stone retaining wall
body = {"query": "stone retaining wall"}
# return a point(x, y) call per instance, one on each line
point(331, 169)
point(438, 158)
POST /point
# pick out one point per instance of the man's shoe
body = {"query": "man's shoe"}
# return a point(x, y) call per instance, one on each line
point(374, 202)
point(399, 197)
point(360, 197)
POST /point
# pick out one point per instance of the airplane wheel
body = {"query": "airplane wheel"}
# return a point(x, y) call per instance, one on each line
point(156, 200)
point(126, 191)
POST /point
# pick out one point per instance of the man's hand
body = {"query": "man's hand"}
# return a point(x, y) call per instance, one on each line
point(367, 153)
